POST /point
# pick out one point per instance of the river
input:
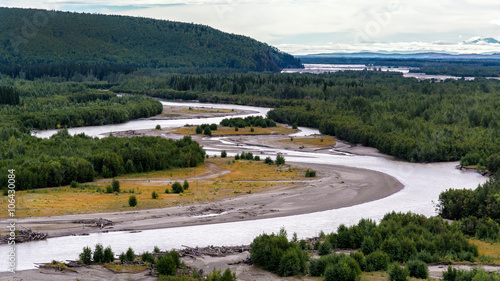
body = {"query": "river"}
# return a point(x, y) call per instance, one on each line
point(322, 68)
point(423, 183)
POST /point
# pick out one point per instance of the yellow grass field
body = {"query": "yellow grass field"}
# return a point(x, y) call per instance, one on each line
point(206, 110)
point(315, 141)
point(491, 251)
point(225, 131)
point(245, 177)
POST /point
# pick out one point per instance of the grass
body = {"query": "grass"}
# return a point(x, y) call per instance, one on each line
point(316, 141)
point(490, 252)
point(125, 268)
point(206, 110)
point(225, 131)
point(379, 276)
point(245, 177)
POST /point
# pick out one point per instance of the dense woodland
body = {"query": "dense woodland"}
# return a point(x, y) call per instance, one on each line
point(401, 238)
point(39, 42)
point(62, 158)
point(413, 120)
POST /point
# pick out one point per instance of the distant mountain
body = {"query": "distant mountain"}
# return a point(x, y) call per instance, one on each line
point(402, 56)
point(479, 40)
point(30, 36)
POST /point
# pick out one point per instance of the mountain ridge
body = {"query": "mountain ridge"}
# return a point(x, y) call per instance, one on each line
point(34, 36)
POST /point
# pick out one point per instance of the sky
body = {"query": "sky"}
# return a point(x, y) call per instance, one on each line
point(321, 26)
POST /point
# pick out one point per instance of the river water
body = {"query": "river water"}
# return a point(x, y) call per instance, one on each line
point(322, 68)
point(423, 183)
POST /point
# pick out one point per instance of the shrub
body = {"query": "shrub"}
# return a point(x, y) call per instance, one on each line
point(147, 257)
point(177, 187)
point(129, 166)
point(268, 160)
point(166, 265)
point(207, 131)
point(156, 249)
point(324, 248)
point(256, 158)
point(418, 269)
point(132, 201)
point(158, 127)
point(123, 257)
point(280, 159)
point(223, 154)
point(213, 127)
point(290, 263)
point(346, 269)
point(274, 253)
point(368, 245)
point(199, 130)
point(86, 256)
point(237, 157)
point(167, 191)
point(98, 253)
point(130, 255)
point(109, 256)
point(154, 195)
point(359, 258)
point(109, 189)
point(294, 126)
point(398, 273)
point(249, 156)
point(310, 173)
point(116, 185)
point(74, 184)
point(252, 130)
point(236, 129)
point(377, 261)
point(216, 275)
point(185, 185)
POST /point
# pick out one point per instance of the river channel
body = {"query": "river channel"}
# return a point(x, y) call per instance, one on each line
point(422, 185)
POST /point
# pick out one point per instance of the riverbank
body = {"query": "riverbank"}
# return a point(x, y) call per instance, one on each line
point(335, 187)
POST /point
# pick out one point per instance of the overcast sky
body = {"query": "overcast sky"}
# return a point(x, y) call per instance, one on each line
point(318, 26)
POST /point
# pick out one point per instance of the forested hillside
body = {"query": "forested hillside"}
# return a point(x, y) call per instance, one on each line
point(37, 43)
point(410, 119)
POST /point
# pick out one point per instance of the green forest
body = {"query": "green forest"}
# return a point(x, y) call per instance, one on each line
point(414, 120)
point(38, 43)
point(400, 238)
point(63, 158)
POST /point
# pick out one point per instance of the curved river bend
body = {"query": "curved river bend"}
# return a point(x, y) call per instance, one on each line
point(423, 183)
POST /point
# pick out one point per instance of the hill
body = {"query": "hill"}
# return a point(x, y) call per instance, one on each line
point(40, 37)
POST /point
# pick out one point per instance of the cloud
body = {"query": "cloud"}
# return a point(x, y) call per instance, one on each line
point(495, 21)
point(402, 47)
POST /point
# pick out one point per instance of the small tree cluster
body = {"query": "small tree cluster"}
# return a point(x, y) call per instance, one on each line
point(100, 255)
point(206, 129)
point(216, 275)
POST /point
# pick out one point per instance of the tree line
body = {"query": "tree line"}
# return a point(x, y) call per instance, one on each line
point(477, 211)
point(64, 158)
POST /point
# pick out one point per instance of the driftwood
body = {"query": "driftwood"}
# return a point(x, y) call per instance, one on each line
point(100, 222)
point(212, 251)
point(24, 236)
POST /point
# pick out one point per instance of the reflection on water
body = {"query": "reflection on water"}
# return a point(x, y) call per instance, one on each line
point(423, 183)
